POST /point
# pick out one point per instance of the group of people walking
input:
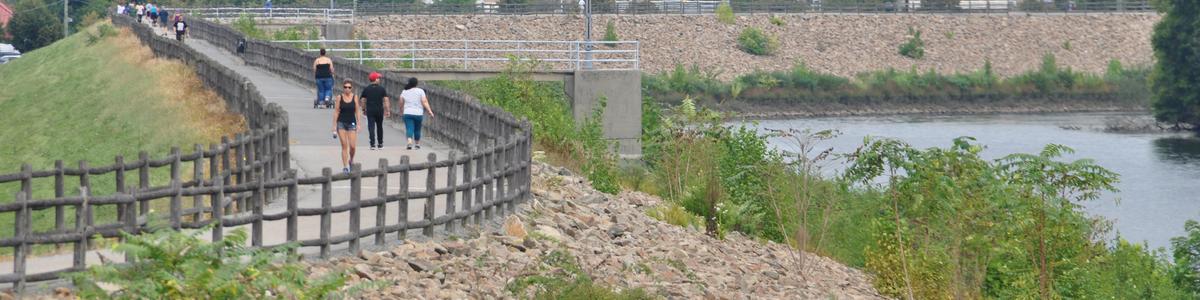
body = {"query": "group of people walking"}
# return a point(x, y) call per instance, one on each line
point(373, 103)
point(157, 16)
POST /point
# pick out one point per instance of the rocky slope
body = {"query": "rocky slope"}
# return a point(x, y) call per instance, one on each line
point(840, 44)
point(614, 241)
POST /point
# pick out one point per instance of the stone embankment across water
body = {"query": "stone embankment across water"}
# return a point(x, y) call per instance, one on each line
point(843, 45)
point(612, 240)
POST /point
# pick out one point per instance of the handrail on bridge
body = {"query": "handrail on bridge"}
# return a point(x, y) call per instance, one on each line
point(426, 54)
point(341, 15)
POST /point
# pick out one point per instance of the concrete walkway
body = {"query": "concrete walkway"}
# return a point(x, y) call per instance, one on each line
point(312, 149)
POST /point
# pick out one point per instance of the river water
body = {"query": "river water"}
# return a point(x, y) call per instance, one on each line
point(1159, 173)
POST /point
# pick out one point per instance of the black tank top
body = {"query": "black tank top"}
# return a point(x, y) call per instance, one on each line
point(346, 110)
point(323, 71)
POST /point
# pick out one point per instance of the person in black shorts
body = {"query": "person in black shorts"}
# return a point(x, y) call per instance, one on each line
point(180, 28)
point(377, 107)
point(346, 114)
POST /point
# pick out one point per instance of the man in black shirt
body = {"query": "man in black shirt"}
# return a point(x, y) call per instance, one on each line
point(377, 108)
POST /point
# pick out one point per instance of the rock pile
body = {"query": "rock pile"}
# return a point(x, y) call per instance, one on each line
point(613, 241)
point(844, 45)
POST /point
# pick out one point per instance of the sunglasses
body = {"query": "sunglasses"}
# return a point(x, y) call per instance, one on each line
point(347, 87)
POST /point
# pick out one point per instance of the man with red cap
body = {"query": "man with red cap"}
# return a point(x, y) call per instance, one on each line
point(377, 108)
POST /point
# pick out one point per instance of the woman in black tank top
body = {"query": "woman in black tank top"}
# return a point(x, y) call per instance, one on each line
point(346, 114)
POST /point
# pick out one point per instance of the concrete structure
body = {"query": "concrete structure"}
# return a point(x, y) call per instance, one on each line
point(620, 89)
point(620, 93)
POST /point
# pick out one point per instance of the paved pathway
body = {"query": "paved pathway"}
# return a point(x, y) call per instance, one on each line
point(312, 149)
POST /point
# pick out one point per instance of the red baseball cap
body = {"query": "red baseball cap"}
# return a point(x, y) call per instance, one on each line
point(374, 76)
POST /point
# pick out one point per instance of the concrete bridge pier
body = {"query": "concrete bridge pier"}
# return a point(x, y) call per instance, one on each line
point(621, 91)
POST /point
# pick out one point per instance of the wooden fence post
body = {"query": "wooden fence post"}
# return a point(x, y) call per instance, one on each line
point(355, 205)
point(489, 162)
point(403, 204)
point(59, 192)
point(143, 182)
point(83, 217)
point(120, 185)
point(259, 198)
point(293, 207)
point(479, 174)
point(218, 211)
point(21, 233)
point(326, 203)
point(431, 188)
point(381, 209)
point(240, 173)
point(198, 178)
point(452, 183)
point(177, 185)
point(501, 169)
point(467, 188)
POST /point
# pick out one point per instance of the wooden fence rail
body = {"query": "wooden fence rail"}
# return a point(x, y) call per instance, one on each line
point(232, 183)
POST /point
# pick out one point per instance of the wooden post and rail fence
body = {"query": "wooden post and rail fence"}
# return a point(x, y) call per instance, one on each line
point(232, 183)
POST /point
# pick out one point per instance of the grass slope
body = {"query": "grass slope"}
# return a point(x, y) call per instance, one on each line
point(75, 100)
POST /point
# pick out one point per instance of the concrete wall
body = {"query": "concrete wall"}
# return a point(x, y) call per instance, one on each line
point(623, 109)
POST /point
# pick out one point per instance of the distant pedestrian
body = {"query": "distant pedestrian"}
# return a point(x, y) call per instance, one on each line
point(377, 107)
point(181, 28)
point(323, 71)
point(241, 49)
point(346, 114)
point(141, 11)
point(152, 14)
point(164, 17)
point(415, 104)
point(120, 9)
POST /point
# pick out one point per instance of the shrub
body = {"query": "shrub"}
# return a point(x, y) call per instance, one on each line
point(755, 41)
point(610, 33)
point(559, 276)
point(914, 47)
point(725, 13)
point(168, 264)
point(777, 21)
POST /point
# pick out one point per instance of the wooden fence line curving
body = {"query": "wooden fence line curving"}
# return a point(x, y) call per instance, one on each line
point(231, 182)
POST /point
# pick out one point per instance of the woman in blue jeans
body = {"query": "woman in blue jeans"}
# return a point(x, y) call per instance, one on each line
point(323, 71)
point(415, 105)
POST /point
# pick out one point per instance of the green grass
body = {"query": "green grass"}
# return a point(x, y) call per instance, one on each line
point(89, 98)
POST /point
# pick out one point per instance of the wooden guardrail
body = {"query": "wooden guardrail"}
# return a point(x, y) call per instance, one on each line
point(231, 183)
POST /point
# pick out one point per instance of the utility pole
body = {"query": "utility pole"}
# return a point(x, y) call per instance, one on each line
point(66, 20)
point(587, 33)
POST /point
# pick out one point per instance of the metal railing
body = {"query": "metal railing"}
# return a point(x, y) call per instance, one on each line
point(482, 54)
point(756, 7)
point(337, 15)
point(228, 185)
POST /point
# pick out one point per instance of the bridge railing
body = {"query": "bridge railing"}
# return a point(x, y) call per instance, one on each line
point(336, 15)
point(228, 186)
point(481, 54)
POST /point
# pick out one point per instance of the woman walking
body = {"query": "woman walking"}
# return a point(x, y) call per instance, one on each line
point(324, 72)
point(415, 105)
point(346, 114)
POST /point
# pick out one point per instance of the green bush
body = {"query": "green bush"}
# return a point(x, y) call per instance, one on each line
point(755, 41)
point(168, 264)
point(725, 13)
point(610, 33)
point(777, 21)
point(914, 47)
point(559, 276)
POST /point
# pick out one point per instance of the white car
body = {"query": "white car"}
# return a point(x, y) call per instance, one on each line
point(7, 58)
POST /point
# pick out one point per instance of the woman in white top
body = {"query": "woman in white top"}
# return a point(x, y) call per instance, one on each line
point(415, 105)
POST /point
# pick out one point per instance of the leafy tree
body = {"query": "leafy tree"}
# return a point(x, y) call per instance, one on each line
point(1186, 250)
point(33, 26)
point(1176, 79)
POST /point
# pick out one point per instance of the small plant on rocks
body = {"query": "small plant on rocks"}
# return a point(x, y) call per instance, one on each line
point(755, 41)
point(915, 47)
point(777, 21)
point(610, 33)
point(725, 13)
